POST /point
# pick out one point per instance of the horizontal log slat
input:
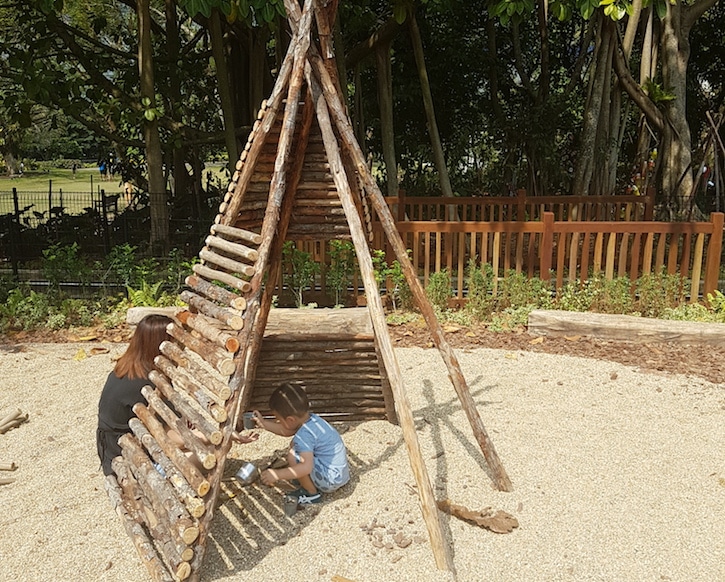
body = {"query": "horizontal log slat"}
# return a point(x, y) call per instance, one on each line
point(232, 319)
point(239, 250)
point(220, 389)
point(226, 263)
point(221, 276)
point(237, 233)
point(210, 329)
point(215, 356)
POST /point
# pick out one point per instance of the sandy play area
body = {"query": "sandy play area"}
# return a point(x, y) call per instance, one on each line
point(618, 475)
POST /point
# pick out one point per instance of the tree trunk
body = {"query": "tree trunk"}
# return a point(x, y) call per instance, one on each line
point(154, 156)
point(225, 96)
point(440, 160)
point(385, 99)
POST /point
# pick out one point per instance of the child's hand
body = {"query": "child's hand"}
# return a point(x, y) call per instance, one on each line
point(269, 477)
point(244, 439)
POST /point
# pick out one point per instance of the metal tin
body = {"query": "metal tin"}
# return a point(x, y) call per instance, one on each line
point(290, 505)
point(247, 473)
point(248, 420)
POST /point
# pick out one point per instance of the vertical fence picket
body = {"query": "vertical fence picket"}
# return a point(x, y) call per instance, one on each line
point(697, 268)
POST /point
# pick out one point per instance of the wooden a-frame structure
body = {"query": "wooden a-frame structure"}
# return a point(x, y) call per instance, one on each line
point(302, 175)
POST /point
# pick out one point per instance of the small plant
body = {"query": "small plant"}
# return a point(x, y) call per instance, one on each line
point(517, 290)
point(439, 289)
point(63, 263)
point(300, 272)
point(480, 285)
point(716, 301)
point(400, 293)
point(510, 318)
point(342, 265)
point(657, 292)
point(177, 269)
point(615, 296)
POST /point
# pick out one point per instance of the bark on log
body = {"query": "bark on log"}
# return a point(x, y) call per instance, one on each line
point(206, 426)
point(624, 328)
point(347, 136)
point(339, 322)
point(174, 550)
point(145, 547)
point(220, 359)
point(441, 551)
point(232, 319)
point(221, 338)
point(186, 383)
point(212, 384)
point(226, 263)
point(237, 233)
point(236, 249)
point(182, 462)
point(166, 505)
point(216, 293)
point(194, 504)
point(221, 276)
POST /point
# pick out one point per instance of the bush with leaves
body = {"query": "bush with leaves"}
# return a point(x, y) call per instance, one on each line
point(439, 289)
point(480, 290)
point(342, 266)
point(300, 270)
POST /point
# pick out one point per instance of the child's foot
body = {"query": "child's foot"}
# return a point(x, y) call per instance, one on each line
point(304, 497)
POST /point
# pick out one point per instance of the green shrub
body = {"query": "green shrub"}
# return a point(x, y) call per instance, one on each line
point(615, 296)
point(24, 309)
point(657, 292)
point(480, 286)
point(62, 263)
point(439, 289)
point(342, 266)
point(300, 272)
point(516, 290)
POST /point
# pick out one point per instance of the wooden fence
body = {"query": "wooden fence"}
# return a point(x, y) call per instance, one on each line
point(522, 207)
point(568, 250)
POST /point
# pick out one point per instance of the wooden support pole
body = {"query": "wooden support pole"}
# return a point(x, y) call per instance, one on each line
point(440, 547)
point(387, 222)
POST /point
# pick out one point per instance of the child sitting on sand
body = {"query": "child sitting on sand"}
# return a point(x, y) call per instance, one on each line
point(317, 457)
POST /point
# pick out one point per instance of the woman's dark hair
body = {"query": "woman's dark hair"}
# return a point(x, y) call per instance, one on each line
point(289, 400)
point(138, 360)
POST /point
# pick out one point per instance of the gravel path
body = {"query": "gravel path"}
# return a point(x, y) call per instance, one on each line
point(618, 475)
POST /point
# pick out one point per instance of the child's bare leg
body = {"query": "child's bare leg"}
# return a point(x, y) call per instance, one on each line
point(305, 480)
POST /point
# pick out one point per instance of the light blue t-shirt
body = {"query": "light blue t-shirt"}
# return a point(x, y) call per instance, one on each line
point(330, 469)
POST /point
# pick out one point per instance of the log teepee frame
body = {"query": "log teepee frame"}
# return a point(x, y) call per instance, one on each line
point(302, 174)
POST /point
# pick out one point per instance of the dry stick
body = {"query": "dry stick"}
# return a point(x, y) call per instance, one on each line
point(192, 474)
point(6, 480)
point(194, 504)
point(441, 550)
point(8, 466)
point(216, 293)
point(15, 414)
point(347, 135)
point(186, 383)
point(212, 384)
point(297, 51)
point(136, 532)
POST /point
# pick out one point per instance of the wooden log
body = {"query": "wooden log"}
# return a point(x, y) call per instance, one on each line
point(13, 415)
point(235, 249)
point(8, 466)
point(346, 358)
point(212, 384)
point(221, 276)
point(216, 293)
point(144, 546)
point(226, 263)
point(202, 325)
point(186, 383)
point(624, 328)
point(220, 359)
point(232, 319)
point(182, 462)
point(167, 506)
point(387, 222)
point(173, 548)
point(441, 550)
point(6, 480)
point(194, 504)
point(206, 426)
point(352, 322)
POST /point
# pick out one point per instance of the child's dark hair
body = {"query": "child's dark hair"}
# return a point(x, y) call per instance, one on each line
point(289, 400)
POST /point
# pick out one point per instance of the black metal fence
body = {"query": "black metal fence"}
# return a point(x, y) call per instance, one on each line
point(31, 222)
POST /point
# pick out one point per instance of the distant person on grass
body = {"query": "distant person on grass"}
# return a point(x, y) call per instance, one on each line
point(317, 457)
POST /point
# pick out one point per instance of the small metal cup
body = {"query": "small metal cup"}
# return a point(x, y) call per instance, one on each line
point(290, 505)
point(247, 473)
point(249, 421)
